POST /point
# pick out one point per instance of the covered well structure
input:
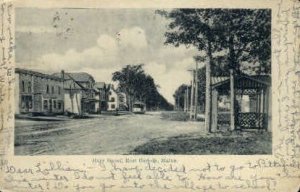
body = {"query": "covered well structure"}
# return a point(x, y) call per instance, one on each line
point(241, 101)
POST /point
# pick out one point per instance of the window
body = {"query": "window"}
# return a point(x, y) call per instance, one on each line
point(59, 104)
point(58, 90)
point(47, 91)
point(30, 104)
point(54, 104)
point(45, 104)
point(23, 86)
point(112, 99)
point(113, 106)
point(52, 90)
point(29, 87)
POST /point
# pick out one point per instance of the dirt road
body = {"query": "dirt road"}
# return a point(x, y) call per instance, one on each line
point(99, 135)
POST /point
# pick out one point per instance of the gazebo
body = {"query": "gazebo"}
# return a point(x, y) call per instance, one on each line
point(241, 101)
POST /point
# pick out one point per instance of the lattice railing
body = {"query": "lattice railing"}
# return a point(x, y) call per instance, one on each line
point(251, 120)
point(224, 118)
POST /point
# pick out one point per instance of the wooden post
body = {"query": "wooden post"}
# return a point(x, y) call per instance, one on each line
point(184, 101)
point(269, 108)
point(196, 91)
point(232, 101)
point(33, 94)
point(187, 99)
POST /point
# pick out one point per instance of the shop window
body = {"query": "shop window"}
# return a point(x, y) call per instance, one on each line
point(45, 104)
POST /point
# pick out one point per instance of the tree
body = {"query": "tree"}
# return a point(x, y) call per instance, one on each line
point(243, 35)
point(179, 96)
point(195, 27)
point(129, 78)
point(139, 86)
point(246, 35)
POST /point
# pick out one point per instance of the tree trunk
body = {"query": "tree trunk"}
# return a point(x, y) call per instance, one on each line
point(196, 91)
point(192, 97)
point(208, 90)
point(232, 101)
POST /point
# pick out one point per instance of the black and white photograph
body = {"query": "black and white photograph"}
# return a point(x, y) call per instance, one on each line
point(142, 81)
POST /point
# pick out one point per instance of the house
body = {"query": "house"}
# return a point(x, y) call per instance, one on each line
point(113, 99)
point(38, 93)
point(79, 92)
point(116, 100)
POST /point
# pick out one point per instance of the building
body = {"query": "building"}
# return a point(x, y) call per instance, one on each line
point(38, 93)
point(116, 100)
point(79, 92)
point(113, 99)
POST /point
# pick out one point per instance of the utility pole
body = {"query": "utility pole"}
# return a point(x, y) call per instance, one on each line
point(196, 91)
point(184, 101)
point(187, 99)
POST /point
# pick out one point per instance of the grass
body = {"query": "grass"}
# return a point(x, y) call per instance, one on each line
point(177, 116)
point(234, 143)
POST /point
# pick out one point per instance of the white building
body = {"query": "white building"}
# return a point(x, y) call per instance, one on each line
point(113, 99)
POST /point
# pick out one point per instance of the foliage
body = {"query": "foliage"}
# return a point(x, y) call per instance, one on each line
point(139, 86)
point(244, 35)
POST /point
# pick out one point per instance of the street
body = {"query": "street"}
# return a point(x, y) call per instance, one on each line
point(99, 135)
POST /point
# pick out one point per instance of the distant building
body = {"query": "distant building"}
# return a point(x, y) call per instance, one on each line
point(116, 100)
point(38, 93)
point(79, 92)
point(113, 99)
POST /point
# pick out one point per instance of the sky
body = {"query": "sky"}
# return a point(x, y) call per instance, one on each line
point(100, 42)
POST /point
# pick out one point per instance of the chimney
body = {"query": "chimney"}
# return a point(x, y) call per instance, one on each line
point(63, 74)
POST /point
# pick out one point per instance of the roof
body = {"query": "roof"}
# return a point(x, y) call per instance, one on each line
point(215, 80)
point(80, 76)
point(38, 74)
point(70, 84)
point(243, 81)
point(99, 85)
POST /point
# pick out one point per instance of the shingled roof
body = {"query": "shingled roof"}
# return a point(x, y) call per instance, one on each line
point(260, 79)
point(80, 76)
point(38, 74)
point(99, 85)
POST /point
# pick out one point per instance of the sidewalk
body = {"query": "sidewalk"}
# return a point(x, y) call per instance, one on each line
point(42, 118)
